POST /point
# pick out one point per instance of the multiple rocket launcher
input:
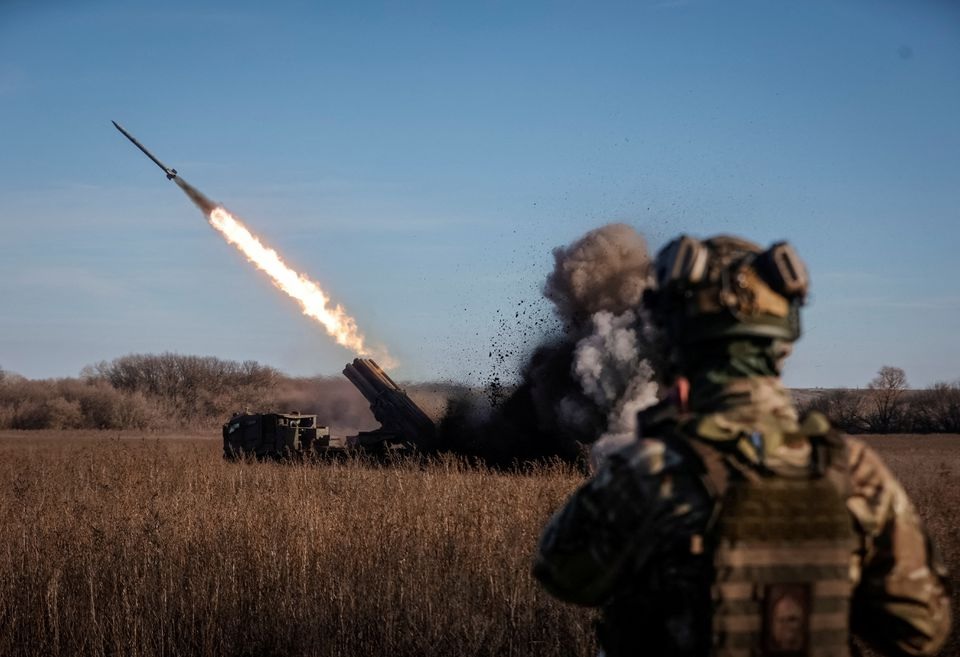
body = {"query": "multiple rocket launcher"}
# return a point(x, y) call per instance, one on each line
point(404, 427)
point(403, 423)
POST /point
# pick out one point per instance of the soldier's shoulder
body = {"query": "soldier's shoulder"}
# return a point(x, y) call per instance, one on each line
point(869, 473)
point(659, 420)
point(865, 466)
point(644, 450)
point(655, 456)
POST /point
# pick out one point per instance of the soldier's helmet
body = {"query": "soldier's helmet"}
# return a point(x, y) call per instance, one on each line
point(725, 287)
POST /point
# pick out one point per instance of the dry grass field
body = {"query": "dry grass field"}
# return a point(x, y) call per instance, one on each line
point(929, 468)
point(117, 544)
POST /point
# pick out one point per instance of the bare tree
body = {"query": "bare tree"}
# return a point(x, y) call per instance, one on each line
point(845, 408)
point(937, 409)
point(886, 397)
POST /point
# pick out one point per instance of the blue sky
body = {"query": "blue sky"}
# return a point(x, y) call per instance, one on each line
point(421, 160)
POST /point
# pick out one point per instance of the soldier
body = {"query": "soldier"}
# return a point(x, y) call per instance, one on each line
point(732, 527)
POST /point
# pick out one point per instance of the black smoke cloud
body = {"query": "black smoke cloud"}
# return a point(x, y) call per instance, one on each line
point(587, 383)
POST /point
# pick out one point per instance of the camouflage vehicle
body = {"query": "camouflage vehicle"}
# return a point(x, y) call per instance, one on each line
point(273, 436)
point(404, 427)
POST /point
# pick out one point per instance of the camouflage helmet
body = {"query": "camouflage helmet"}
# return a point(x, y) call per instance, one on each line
point(726, 286)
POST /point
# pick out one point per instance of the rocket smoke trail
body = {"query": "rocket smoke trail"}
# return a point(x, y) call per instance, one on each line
point(206, 205)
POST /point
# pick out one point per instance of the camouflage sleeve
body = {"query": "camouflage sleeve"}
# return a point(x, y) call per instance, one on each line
point(609, 527)
point(901, 604)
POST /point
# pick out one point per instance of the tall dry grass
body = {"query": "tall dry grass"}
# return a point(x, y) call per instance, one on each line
point(121, 545)
point(928, 466)
point(156, 547)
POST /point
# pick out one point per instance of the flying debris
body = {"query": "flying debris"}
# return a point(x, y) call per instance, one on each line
point(171, 173)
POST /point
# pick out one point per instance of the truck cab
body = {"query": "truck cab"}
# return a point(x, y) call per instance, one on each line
point(273, 436)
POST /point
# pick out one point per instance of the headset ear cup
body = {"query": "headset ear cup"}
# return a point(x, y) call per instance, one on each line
point(726, 287)
point(682, 263)
point(784, 271)
point(699, 271)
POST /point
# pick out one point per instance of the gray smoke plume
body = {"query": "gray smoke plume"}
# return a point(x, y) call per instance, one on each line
point(613, 369)
point(602, 276)
point(605, 270)
point(588, 384)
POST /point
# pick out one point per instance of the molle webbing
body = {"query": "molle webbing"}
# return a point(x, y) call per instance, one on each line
point(782, 558)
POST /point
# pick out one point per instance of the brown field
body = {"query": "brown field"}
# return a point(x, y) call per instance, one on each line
point(127, 545)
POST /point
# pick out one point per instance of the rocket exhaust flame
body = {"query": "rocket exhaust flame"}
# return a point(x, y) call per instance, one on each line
point(313, 300)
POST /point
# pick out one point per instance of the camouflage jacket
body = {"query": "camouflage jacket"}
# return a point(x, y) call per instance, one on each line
point(626, 540)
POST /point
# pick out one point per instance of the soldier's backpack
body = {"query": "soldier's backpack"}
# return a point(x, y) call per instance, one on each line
point(783, 548)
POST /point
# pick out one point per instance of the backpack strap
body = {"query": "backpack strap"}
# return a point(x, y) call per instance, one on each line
point(829, 456)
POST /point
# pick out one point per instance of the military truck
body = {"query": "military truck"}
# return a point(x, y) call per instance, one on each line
point(273, 436)
point(404, 427)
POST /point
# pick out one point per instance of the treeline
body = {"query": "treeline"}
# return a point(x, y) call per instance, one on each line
point(177, 392)
point(173, 391)
point(886, 405)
